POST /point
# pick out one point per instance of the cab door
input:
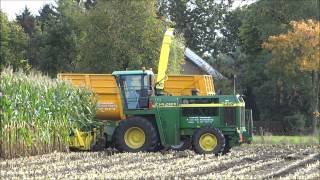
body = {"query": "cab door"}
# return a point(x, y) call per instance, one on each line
point(135, 91)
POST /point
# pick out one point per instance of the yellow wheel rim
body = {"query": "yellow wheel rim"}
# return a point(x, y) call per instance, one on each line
point(208, 141)
point(135, 137)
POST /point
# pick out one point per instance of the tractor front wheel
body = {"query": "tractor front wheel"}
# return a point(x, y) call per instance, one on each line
point(134, 135)
point(208, 141)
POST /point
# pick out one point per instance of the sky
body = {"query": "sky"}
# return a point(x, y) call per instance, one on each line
point(13, 7)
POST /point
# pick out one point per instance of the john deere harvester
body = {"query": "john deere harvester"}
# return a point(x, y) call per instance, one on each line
point(141, 114)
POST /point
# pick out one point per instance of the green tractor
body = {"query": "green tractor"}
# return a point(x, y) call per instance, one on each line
point(151, 119)
point(208, 124)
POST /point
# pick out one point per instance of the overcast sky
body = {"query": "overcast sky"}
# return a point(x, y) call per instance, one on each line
point(13, 7)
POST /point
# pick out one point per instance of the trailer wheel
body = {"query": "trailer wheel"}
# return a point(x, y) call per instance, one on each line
point(208, 141)
point(134, 135)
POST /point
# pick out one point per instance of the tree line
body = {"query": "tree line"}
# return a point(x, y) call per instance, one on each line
point(269, 46)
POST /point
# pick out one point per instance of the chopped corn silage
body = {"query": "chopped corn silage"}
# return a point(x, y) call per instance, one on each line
point(37, 114)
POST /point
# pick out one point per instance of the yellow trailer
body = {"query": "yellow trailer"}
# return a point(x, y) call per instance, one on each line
point(109, 104)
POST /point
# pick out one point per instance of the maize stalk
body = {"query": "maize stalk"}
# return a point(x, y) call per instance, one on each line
point(37, 113)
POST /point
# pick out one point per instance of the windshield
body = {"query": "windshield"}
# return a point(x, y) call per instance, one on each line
point(135, 90)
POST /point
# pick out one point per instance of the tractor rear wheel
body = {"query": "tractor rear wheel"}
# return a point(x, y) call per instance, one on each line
point(208, 141)
point(134, 135)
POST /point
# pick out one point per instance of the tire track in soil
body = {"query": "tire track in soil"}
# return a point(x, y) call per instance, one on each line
point(238, 162)
point(305, 171)
point(203, 159)
point(293, 166)
point(246, 168)
point(269, 167)
point(192, 162)
point(221, 167)
point(239, 157)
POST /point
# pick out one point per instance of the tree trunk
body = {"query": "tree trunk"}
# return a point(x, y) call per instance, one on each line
point(315, 101)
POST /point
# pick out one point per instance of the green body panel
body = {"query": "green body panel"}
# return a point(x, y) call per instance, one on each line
point(168, 119)
point(173, 116)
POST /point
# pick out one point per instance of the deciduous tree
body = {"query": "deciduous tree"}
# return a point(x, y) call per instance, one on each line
point(299, 48)
point(13, 44)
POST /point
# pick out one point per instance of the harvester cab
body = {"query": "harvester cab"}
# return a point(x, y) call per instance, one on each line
point(136, 87)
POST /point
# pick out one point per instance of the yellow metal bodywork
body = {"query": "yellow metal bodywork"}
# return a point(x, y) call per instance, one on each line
point(134, 137)
point(208, 142)
point(182, 85)
point(83, 140)
point(109, 105)
point(164, 56)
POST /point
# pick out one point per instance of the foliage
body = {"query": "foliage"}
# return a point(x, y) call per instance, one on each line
point(201, 22)
point(37, 113)
point(298, 49)
point(93, 36)
point(13, 42)
point(57, 41)
point(176, 55)
point(120, 35)
point(280, 91)
point(28, 22)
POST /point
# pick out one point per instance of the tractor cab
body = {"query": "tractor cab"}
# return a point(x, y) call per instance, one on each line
point(136, 87)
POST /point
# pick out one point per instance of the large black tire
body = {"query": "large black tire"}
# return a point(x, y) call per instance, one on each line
point(100, 145)
point(185, 144)
point(206, 134)
point(227, 147)
point(150, 134)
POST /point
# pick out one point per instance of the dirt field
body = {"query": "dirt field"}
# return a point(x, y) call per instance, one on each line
point(245, 162)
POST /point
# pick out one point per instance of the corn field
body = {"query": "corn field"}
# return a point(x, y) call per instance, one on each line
point(38, 113)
